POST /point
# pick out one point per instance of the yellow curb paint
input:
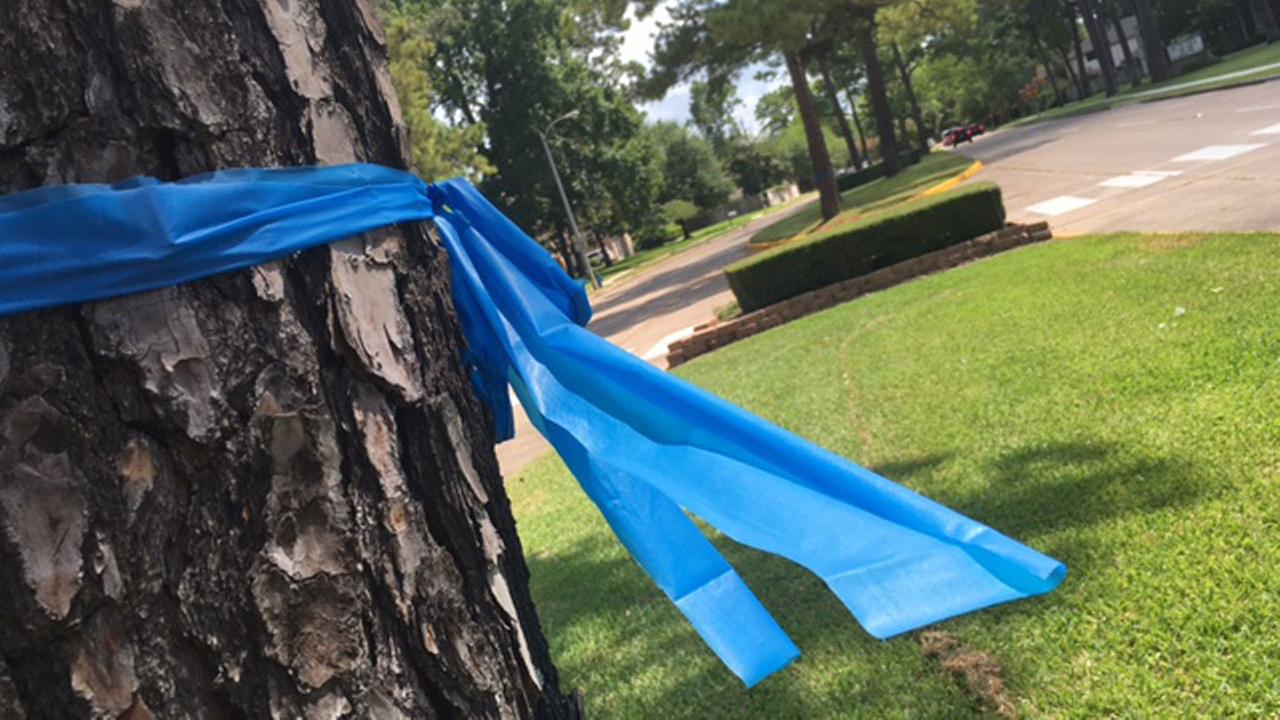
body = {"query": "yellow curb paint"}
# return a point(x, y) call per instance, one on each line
point(946, 185)
point(758, 247)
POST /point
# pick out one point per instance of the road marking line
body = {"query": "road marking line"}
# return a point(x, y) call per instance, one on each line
point(1273, 130)
point(1159, 173)
point(1136, 180)
point(1217, 152)
point(1060, 204)
point(1256, 108)
point(663, 345)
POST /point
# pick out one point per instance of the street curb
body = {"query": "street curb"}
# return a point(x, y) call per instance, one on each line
point(715, 334)
point(946, 185)
point(1205, 91)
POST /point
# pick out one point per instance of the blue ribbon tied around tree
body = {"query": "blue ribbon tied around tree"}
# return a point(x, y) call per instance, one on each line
point(649, 449)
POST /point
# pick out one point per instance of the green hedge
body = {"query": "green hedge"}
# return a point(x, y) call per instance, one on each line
point(849, 181)
point(909, 230)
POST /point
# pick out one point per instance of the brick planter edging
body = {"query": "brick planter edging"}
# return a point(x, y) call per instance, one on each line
point(720, 334)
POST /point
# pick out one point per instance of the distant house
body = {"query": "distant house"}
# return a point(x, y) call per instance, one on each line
point(1184, 47)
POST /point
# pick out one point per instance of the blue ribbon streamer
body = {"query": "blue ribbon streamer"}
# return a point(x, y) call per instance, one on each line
point(644, 445)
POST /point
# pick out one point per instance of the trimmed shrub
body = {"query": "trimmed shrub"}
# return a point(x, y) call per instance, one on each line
point(656, 235)
point(909, 230)
point(849, 181)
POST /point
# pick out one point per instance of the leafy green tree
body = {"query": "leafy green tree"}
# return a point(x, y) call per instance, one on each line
point(690, 169)
point(753, 167)
point(438, 150)
point(978, 67)
point(680, 212)
point(513, 66)
point(791, 150)
point(711, 110)
point(716, 39)
point(776, 110)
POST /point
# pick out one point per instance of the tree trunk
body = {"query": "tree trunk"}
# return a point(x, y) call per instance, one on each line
point(266, 494)
point(1153, 45)
point(1135, 72)
point(1086, 83)
point(568, 253)
point(1071, 73)
point(841, 121)
point(1043, 56)
point(857, 124)
point(916, 116)
point(604, 249)
point(1267, 19)
point(865, 34)
point(1101, 45)
point(824, 177)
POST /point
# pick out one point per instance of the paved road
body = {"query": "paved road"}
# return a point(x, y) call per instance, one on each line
point(645, 313)
point(1205, 162)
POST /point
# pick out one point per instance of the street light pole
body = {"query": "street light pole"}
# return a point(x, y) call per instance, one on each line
point(578, 247)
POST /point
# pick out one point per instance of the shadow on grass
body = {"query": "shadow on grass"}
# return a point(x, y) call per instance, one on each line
point(899, 470)
point(1063, 485)
point(1044, 488)
point(620, 640)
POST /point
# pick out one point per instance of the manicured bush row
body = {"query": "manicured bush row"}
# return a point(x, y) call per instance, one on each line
point(913, 228)
point(849, 181)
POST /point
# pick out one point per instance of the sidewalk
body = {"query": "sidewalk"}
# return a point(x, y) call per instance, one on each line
point(1205, 81)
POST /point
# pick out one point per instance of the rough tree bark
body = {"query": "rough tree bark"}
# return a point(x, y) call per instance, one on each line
point(824, 176)
point(267, 494)
point(865, 36)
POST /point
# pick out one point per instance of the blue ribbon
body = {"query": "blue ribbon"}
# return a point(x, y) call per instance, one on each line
point(644, 445)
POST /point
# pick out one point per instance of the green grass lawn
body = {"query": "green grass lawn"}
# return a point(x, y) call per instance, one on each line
point(932, 169)
point(644, 258)
point(1054, 392)
point(1257, 56)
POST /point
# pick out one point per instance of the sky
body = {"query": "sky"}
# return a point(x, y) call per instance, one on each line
point(637, 43)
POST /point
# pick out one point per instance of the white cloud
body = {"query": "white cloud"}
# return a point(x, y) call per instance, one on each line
point(637, 42)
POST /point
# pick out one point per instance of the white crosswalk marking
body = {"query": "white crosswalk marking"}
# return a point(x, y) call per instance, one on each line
point(1060, 204)
point(1136, 180)
point(1273, 130)
point(1217, 152)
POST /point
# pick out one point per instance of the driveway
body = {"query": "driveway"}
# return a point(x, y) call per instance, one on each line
point(1205, 162)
